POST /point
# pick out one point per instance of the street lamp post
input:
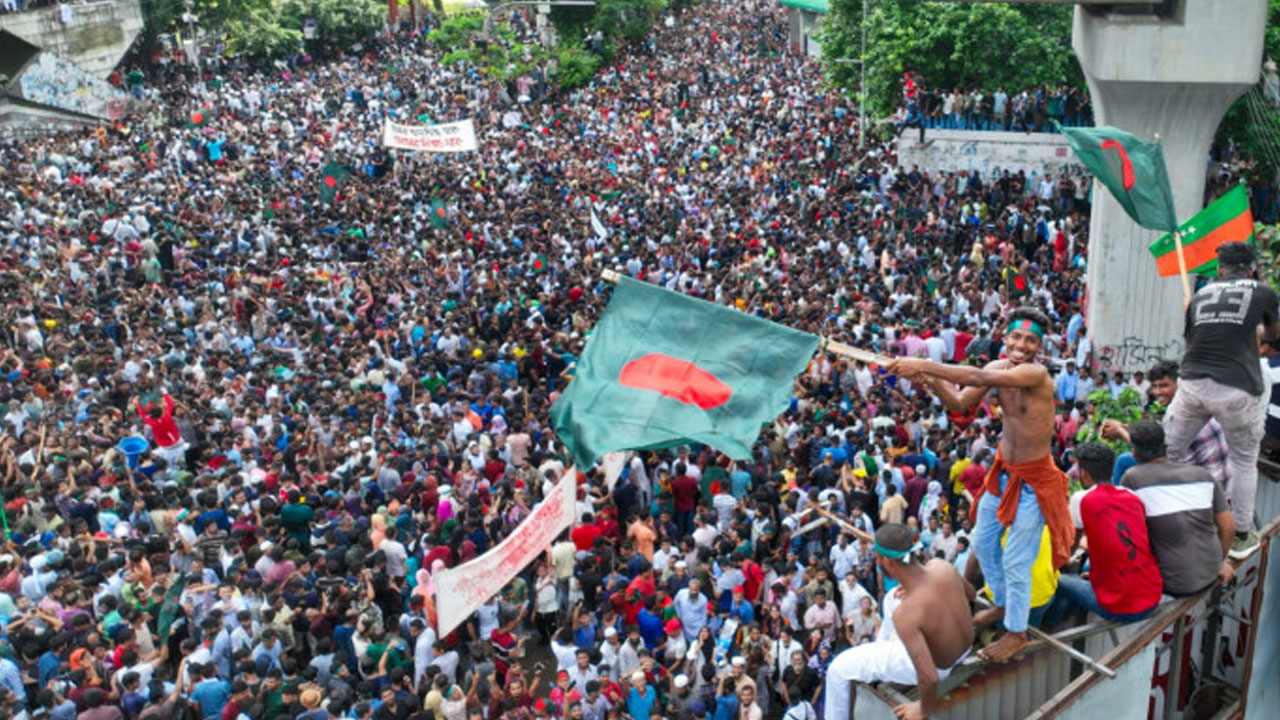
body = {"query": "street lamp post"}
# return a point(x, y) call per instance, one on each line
point(190, 18)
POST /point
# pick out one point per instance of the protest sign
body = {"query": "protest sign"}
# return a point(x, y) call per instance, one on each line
point(446, 137)
point(460, 591)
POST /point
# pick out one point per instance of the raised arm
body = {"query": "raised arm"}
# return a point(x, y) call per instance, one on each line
point(995, 374)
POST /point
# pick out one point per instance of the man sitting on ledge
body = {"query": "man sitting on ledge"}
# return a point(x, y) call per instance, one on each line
point(927, 629)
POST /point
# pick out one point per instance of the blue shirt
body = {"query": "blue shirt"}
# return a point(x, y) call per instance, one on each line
point(639, 705)
point(11, 679)
point(1066, 387)
point(212, 696)
point(652, 633)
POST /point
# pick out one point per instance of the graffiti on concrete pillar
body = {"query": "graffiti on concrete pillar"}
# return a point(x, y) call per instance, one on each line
point(56, 82)
point(1136, 353)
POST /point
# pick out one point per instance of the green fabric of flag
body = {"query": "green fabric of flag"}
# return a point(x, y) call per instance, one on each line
point(199, 117)
point(331, 178)
point(169, 607)
point(439, 214)
point(1132, 170)
point(540, 263)
point(661, 369)
point(1227, 219)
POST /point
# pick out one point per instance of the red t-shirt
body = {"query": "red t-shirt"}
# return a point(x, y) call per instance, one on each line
point(972, 477)
point(584, 536)
point(1122, 569)
point(684, 491)
point(962, 343)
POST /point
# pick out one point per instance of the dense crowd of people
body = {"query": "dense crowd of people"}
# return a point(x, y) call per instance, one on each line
point(244, 427)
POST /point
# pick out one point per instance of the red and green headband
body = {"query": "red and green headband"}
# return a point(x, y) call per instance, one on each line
point(1030, 326)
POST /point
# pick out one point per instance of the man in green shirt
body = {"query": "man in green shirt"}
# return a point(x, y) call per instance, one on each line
point(296, 517)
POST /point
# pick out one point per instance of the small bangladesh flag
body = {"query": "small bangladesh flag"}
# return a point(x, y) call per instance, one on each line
point(1227, 219)
point(200, 117)
point(332, 176)
point(1132, 170)
point(439, 214)
point(540, 263)
point(1015, 282)
point(653, 376)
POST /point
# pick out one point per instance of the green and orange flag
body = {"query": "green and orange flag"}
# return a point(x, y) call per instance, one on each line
point(1132, 170)
point(663, 369)
point(331, 177)
point(1227, 219)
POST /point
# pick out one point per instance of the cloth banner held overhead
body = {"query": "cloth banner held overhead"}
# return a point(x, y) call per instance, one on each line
point(460, 591)
point(446, 137)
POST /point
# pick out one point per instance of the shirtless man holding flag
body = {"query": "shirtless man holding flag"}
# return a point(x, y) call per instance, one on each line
point(1024, 489)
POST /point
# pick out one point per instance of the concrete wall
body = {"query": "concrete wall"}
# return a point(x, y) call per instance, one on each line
point(93, 35)
point(54, 81)
point(1173, 79)
point(987, 152)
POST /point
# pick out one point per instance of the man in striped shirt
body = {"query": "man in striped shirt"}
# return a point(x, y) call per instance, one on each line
point(1188, 522)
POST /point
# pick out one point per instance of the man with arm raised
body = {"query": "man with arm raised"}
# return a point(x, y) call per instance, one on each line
point(1024, 489)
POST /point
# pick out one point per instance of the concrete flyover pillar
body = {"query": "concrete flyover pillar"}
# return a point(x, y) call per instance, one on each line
point(1172, 73)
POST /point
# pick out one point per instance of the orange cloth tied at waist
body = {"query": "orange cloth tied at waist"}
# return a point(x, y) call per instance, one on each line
point(1050, 485)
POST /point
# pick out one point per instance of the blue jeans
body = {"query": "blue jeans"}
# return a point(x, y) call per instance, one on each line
point(1007, 569)
point(1077, 594)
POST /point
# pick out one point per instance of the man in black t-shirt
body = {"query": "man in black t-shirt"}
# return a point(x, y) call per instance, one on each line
point(1222, 376)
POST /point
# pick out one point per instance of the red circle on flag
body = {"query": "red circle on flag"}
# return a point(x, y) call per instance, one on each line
point(440, 211)
point(330, 181)
point(197, 118)
point(677, 379)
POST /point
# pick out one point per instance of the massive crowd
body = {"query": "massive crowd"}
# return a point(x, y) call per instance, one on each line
point(340, 399)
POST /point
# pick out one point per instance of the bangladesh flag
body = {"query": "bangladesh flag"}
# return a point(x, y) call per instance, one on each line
point(1131, 169)
point(199, 117)
point(332, 176)
point(661, 369)
point(1227, 219)
point(1015, 282)
point(540, 263)
point(439, 214)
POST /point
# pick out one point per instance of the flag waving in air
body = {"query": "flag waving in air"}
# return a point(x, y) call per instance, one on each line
point(1131, 169)
point(331, 176)
point(597, 226)
point(1227, 219)
point(662, 369)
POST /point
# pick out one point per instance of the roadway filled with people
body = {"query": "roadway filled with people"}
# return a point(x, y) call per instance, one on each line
point(265, 380)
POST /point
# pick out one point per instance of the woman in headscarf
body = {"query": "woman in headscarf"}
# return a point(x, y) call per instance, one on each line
point(932, 502)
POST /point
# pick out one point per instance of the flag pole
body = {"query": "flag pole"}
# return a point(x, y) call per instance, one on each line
point(828, 345)
point(1182, 267)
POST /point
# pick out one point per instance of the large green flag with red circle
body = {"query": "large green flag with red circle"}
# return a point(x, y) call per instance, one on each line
point(662, 369)
point(1132, 170)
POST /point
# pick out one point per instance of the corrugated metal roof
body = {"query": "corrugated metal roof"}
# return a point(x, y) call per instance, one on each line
point(818, 6)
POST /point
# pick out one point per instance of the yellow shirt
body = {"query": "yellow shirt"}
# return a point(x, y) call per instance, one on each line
point(1044, 578)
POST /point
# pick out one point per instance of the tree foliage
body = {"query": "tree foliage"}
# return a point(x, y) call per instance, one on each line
point(949, 44)
point(270, 27)
point(575, 66)
point(1254, 131)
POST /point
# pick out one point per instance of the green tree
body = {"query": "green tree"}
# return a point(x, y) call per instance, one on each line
point(1252, 123)
point(257, 31)
point(575, 66)
point(338, 22)
point(949, 45)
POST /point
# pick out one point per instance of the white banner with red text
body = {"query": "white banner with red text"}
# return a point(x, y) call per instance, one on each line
point(461, 591)
point(446, 137)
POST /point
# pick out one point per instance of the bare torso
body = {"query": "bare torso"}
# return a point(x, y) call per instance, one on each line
point(1028, 418)
point(939, 608)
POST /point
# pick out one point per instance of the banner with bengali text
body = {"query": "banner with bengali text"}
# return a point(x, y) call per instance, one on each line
point(446, 137)
point(460, 591)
